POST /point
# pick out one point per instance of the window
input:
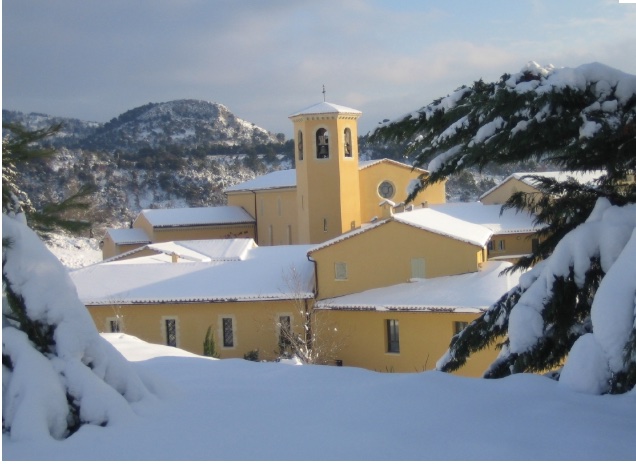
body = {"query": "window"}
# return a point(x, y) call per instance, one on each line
point(501, 245)
point(348, 147)
point(114, 324)
point(324, 225)
point(270, 231)
point(289, 234)
point(228, 332)
point(300, 145)
point(353, 225)
point(535, 245)
point(393, 335)
point(171, 331)
point(418, 268)
point(386, 190)
point(322, 144)
point(458, 326)
point(491, 245)
point(279, 206)
point(341, 271)
point(284, 332)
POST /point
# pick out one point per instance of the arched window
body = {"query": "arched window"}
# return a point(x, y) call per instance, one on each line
point(322, 144)
point(348, 147)
point(300, 145)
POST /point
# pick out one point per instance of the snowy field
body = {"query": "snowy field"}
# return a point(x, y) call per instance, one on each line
point(211, 409)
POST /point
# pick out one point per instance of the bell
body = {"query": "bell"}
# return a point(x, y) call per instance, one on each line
point(323, 151)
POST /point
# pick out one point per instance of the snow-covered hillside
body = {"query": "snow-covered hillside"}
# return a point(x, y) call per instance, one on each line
point(180, 122)
point(74, 252)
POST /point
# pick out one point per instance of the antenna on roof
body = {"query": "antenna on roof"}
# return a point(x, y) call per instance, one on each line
point(324, 93)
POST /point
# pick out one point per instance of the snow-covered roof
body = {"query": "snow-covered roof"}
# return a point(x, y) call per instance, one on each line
point(369, 163)
point(444, 224)
point(287, 178)
point(583, 177)
point(193, 250)
point(425, 219)
point(325, 108)
point(197, 216)
point(265, 273)
point(272, 180)
point(128, 236)
point(465, 293)
point(509, 221)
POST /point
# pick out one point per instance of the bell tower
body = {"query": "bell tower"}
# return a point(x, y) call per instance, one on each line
point(327, 178)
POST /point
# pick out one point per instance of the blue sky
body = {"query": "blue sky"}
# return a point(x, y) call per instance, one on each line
point(94, 59)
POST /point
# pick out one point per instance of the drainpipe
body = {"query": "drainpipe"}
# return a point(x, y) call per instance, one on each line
point(255, 218)
point(315, 276)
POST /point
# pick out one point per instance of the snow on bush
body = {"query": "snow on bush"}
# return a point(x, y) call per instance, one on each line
point(57, 372)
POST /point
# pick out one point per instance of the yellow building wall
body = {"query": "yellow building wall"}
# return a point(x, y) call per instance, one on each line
point(254, 324)
point(514, 244)
point(424, 337)
point(170, 234)
point(400, 176)
point(277, 215)
point(141, 222)
point(245, 200)
point(110, 248)
point(382, 256)
point(504, 191)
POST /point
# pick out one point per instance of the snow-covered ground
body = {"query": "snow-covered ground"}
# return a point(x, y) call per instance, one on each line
point(234, 410)
point(74, 252)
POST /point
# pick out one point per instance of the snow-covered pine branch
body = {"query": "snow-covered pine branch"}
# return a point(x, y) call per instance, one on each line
point(579, 118)
point(57, 371)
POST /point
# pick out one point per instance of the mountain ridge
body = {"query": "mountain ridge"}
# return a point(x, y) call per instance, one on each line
point(184, 123)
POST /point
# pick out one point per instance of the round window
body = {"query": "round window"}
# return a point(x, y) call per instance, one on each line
point(386, 190)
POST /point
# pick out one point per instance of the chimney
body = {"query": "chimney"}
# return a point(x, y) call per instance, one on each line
point(175, 257)
point(387, 209)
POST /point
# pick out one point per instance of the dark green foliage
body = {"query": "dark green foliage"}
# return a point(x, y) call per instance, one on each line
point(20, 147)
point(252, 355)
point(209, 346)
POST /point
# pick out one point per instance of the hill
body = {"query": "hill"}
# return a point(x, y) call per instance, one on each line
point(181, 124)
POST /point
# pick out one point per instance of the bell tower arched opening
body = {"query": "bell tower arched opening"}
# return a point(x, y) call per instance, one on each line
point(322, 143)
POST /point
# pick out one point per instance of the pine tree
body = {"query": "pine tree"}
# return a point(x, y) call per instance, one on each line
point(57, 372)
point(581, 119)
point(20, 146)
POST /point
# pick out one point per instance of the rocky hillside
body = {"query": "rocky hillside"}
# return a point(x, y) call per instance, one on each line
point(184, 125)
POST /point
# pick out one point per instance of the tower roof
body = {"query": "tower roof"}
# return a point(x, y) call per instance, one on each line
point(325, 108)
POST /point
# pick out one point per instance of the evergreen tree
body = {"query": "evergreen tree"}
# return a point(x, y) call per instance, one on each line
point(581, 119)
point(21, 146)
point(57, 372)
point(209, 345)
